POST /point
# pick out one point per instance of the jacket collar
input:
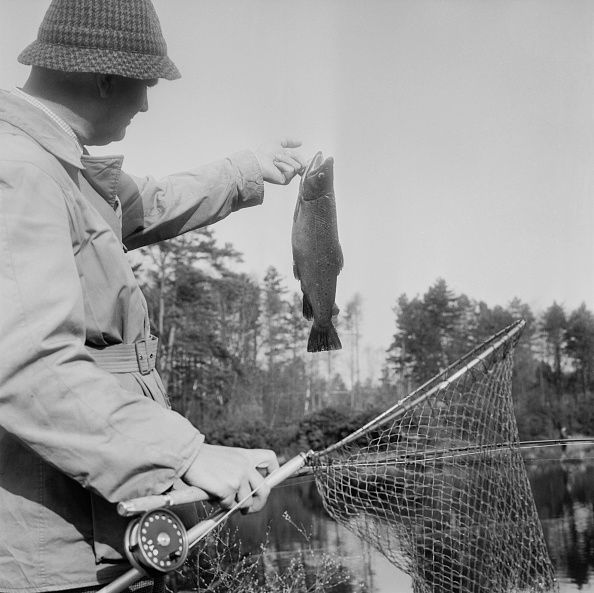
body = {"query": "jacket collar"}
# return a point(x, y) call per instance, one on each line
point(103, 172)
point(39, 126)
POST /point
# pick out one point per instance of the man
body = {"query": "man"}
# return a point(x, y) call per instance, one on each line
point(83, 418)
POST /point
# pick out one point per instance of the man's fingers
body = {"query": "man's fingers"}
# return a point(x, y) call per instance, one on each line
point(288, 164)
point(297, 158)
point(287, 172)
point(228, 502)
point(244, 497)
point(251, 495)
point(279, 177)
point(289, 142)
point(264, 458)
point(230, 475)
point(260, 497)
point(287, 158)
point(256, 491)
point(280, 161)
point(259, 490)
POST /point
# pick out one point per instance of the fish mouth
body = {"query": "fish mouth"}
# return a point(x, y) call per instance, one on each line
point(315, 163)
point(317, 178)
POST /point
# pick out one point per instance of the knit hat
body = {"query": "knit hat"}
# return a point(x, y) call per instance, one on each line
point(105, 36)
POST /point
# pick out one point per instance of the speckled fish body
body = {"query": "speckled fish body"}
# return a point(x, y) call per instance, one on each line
point(317, 255)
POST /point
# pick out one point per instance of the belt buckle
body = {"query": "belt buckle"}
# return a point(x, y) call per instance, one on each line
point(142, 357)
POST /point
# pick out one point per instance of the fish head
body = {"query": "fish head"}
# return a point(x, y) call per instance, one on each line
point(318, 178)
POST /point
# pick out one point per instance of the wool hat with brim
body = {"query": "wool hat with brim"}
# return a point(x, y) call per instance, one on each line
point(120, 37)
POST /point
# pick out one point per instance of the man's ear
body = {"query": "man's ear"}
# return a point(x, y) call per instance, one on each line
point(105, 85)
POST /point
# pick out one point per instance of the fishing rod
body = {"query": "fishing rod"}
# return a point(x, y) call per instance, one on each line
point(156, 542)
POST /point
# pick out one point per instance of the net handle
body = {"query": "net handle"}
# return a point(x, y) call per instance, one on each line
point(418, 395)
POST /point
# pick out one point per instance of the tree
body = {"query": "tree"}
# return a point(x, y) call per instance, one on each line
point(278, 344)
point(297, 326)
point(431, 333)
point(205, 315)
point(490, 321)
point(580, 345)
point(437, 329)
point(554, 324)
point(525, 364)
point(352, 321)
point(275, 310)
point(238, 304)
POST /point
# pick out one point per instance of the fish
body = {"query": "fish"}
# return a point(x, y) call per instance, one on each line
point(317, 254)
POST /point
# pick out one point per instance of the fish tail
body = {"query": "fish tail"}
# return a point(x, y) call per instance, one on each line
point(323, 338)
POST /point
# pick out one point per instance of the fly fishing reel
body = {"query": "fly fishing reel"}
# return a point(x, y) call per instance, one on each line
point(157, 542)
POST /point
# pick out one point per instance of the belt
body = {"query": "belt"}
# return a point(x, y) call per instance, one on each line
point(139, 357)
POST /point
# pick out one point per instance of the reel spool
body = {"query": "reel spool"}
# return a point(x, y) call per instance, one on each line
point(157, 542)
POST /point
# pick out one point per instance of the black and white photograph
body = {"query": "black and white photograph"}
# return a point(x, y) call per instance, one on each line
point(296, 297)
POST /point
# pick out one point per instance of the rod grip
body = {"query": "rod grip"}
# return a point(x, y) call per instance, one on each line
point(142, 504)
point(286, 470)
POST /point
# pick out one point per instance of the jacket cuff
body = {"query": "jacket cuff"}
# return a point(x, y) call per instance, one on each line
point(250, 184)
point(190, 458)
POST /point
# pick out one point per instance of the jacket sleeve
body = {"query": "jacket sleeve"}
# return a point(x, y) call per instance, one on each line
point(154, 210)
point(53, 398)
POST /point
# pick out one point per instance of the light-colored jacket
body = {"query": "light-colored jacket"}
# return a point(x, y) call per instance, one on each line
point(74, 438)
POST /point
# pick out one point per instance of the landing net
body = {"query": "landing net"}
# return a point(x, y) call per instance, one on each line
point(438, 485)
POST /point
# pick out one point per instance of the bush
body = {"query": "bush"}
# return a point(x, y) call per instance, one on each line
point(220, 566)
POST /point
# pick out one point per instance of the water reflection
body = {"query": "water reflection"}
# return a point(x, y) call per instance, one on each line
point(564, 496)
point(295, 522)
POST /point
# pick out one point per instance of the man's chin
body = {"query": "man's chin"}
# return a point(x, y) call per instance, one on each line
point(108, 139)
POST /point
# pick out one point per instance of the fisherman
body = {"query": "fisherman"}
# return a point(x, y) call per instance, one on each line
point(84, 421)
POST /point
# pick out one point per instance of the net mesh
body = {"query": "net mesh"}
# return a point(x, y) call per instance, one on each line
point(439, 486)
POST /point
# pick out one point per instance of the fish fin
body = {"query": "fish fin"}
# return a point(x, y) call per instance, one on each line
point(323, 338)
point(340, 259)
point(335, 310)
point(296, 271)
point(307, 308)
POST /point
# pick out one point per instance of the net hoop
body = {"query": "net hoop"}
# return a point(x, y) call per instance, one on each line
point(507, 337)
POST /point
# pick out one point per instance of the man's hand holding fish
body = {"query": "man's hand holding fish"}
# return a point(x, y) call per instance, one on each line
point(280, 161)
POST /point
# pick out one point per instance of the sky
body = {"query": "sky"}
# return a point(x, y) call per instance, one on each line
point(462, 133)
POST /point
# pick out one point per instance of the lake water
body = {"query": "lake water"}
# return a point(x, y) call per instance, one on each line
point(294, 522)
